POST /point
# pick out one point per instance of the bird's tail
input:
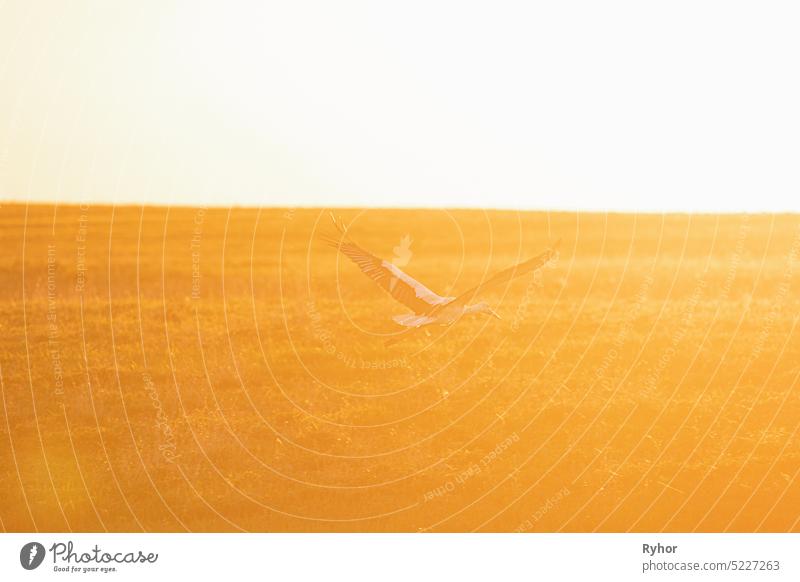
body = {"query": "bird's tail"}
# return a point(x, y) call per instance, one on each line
point(412, 319)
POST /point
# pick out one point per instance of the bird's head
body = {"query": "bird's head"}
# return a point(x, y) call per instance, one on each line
point(484, 308)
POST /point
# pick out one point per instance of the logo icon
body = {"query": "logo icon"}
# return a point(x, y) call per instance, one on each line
point(31, 555)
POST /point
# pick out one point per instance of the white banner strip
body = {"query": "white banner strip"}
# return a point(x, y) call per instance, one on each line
point(401, 557)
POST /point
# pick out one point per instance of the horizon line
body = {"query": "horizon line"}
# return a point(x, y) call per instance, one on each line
point(219, 205)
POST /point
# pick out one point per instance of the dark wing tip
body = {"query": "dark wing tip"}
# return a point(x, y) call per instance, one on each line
point(334, 240)
point(339, 224)
point(331, 241)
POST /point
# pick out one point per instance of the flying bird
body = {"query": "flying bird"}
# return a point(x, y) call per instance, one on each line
point(428, 307)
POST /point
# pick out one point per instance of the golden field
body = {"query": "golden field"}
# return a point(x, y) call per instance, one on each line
point(222, 370)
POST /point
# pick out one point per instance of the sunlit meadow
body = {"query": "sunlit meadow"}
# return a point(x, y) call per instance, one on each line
point(223, 370)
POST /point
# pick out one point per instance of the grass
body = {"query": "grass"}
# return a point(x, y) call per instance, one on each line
point(216, 370)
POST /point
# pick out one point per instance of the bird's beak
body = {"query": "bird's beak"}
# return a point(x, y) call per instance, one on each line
point(494, 314)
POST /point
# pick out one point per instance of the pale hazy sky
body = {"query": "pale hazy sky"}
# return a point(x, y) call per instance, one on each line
point(598, 105)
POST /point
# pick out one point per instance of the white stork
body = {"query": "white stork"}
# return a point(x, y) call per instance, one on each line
point(429, 308)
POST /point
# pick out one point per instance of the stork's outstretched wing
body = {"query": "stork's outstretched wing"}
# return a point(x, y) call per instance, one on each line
point(389, 277)
point(523, 268)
